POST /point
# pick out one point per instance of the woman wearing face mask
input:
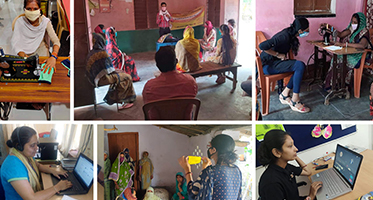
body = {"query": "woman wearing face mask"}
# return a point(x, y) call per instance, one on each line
point(20, 173)
point(278, 180)
point(274, 61)
point(32, 33)
point(356, 35)
point(222, 181)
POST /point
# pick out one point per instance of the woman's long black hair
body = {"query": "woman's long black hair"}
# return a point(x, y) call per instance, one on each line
point(298, 24)
point(227, 44)
point(272, 139)
point(224, 145)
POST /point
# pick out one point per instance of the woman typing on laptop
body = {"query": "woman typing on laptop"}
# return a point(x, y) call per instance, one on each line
point(278, 181)
point(20, 173)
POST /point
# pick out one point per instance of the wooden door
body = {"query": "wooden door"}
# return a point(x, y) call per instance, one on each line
point(83, 90)
point(213, 12)
point(118, 142)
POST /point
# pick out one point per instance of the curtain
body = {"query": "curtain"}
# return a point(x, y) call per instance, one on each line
point(75, 139)
point(369, 13)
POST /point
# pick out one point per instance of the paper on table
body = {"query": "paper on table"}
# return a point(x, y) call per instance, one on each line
point(65, 197)
point(333, 48)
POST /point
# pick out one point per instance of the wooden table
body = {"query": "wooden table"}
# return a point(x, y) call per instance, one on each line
point(335, 90)
point(211, 68)
point(47, 182)
point(57, 91)
point(364, 179)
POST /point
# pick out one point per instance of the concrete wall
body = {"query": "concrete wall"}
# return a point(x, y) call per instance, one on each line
point(164, 147)
point(273, 16)
point(362, 137)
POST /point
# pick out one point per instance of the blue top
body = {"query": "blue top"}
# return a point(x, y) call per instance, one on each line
point(224, 182)
point(12, 170)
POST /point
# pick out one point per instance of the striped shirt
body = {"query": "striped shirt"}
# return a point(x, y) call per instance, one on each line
point(162, 22)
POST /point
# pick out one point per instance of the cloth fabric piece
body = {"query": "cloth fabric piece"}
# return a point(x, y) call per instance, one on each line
point(184, 188)
point(98, 61)
point(279, 181)
point(46, 77)
point(122, 174)
point(12, 169)
point(120, 60)
point(169, 85)
point(128, 194)
point(187, 51)
point(146, 172)
point(124, 90)
point(217, 182)
point(32, 39)
point(208, 41)
point(149, 195)
point(369, 13)
point(217, 57)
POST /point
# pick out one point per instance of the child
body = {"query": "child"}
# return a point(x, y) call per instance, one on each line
point(163, 20)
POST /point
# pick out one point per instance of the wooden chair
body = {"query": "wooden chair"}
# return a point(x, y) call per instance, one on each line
point(172, 109)
point(358, 73)
point(267, 82)
point(62, 22)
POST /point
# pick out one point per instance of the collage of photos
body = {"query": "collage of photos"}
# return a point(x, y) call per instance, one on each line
point(167, 100)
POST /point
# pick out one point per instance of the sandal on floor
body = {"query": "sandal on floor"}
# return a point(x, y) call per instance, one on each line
point(302, 108)
point(125, 106)
point(283, 98)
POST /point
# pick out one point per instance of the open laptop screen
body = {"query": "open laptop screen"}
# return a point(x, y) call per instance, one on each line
point(84, 170)
point(347, 163)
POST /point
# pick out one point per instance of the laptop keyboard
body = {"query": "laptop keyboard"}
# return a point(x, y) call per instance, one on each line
point(332, 181)
point(76, 185)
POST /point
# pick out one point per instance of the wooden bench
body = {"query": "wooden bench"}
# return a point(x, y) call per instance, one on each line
point(159, 45)
point(211, 68)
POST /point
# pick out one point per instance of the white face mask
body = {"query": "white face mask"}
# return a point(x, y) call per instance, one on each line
point(32, 15)
point(354, 26)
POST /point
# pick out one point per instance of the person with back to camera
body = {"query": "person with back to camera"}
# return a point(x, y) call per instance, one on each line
point(278, 180)
point(275, 61)
point(20, 173)
point(221, 181)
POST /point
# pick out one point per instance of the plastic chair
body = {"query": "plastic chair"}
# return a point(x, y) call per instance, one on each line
point(267, 82)
point(62, 22)
point(358, 73)
point(172, 109)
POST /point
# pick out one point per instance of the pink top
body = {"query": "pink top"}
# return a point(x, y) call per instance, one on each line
point(169, 85)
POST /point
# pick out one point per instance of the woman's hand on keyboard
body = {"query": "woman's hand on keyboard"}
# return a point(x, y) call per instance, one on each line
point(58, 174)
point(63, 185)
point(315, 186)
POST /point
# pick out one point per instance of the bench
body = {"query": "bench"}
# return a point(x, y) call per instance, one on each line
point(211, 68)
point(159, 45)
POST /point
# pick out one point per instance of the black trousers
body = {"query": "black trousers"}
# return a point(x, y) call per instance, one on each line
point(163, 31)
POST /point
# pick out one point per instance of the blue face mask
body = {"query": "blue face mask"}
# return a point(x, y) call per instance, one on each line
point(304, 34)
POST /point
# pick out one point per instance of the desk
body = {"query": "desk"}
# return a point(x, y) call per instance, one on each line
point(58, 91)
point(211, 68)
point(364, 179)
point(47, 182)
point(343, 52)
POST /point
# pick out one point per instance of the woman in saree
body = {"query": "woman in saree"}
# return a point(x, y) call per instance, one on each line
point(225, 53)
point(181, 188)
point(209, 37)
point(146, 171)
point(108, 184)
point(356, 35)
point(100, 71)
point(119, 59)
point(187, 52)
point(20, 173)
point(121, 173)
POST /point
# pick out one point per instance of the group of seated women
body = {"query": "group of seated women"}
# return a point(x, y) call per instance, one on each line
point(275, 60)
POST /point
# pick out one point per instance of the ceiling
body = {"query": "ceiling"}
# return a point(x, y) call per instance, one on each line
point(196, 130)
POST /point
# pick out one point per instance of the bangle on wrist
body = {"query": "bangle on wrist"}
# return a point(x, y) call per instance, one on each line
point(304, 166)
point(54, 56)
point(55, 189)
point(188, 173)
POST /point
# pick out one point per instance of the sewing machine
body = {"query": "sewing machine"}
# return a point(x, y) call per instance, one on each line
point(20, 69)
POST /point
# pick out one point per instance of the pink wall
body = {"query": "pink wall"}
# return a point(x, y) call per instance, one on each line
point(122, 15)
point(273, 16)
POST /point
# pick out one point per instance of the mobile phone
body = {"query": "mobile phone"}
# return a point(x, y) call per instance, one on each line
point(322, 167)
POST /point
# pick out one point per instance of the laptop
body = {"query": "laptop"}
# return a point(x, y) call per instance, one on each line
point(20, 69)
point(81, 177)
point(341, 178)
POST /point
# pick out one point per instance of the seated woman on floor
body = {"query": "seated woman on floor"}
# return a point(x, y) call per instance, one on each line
point(20, 173)
point(119, 59)
point(181, 188)
point(208, 41)
point(100, 71)
point(356, 35)
point(225, 53)
point(187, 52)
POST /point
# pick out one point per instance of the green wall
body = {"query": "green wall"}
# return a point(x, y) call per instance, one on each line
point(144, 40)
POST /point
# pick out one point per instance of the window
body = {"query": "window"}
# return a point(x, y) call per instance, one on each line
point(314, 8)
point(146, 14)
